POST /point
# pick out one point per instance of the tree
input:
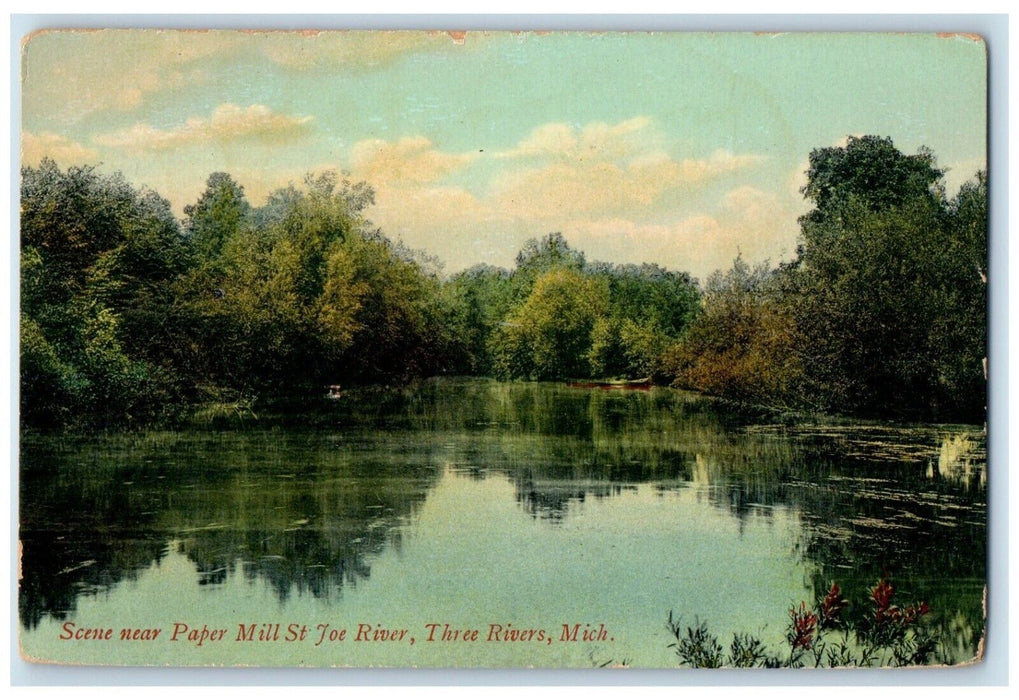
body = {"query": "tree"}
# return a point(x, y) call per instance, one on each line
point(549, 253)
point(69, 219)
point(608, 355)
point(870, 171)
point(963, 331)
point(49, 385)
point(741, 345)
point(549, 335)
point(99, 261)
point(256, 310)
point(477, 300)
point(217, 216)
point(968, 210)
point(885, 271)
point(649, 309)
point(328, 210)
point(539, 256)
point(379, 315)
point(650, 295)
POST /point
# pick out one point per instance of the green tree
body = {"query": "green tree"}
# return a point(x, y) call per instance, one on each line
point(608, 356)
point(217, 216)
point(742, 344)
point(68, 219)
point(50, 386)
point(868, 171)
point(649, 309)
point(99, 262)
point(644, 345)
point(887, 296)
point(648, 294)
point(256, 314)
point(380, 315)
point(961, 333)
point(477, 301)
point(551, 252)
point(540, 256)
point(549, 335)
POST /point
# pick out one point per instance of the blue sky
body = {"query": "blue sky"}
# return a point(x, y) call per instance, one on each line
point(680, 149)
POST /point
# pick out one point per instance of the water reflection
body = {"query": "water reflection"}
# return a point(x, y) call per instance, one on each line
point(305, 511)
point(302, 513)
point(552, 499)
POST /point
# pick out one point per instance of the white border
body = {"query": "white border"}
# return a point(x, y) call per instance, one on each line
point(992, 672)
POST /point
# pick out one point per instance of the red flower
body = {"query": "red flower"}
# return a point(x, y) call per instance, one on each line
point(804, 622)
point(882, 595)
point(832, 606)
point(914, 613)
point(885, 612)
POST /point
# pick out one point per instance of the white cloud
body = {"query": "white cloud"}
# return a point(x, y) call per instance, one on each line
point(462, 229)
point(759, 224)
point(721, 162)
point(449, 222)
point(961, 172)
point(74, 73)
point(35, 147)
point(764, 223)
point(600, 169)
point(411, 159)
point(597, 141)
point(798, 178)
point(696, 244)
point(547, 139)
point(602, 186)
point(750, 204)
point(228, 122)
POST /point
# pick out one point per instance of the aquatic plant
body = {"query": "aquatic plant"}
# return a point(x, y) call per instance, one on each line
point(821, 636)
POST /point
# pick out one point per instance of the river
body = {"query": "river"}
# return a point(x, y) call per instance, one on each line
point(486, 524)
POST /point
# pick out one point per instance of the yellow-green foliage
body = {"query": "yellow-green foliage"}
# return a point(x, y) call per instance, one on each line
point(126, 312)
point(742, 345)
point(549, 335)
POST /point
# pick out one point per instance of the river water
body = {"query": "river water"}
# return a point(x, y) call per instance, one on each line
point(485, 524)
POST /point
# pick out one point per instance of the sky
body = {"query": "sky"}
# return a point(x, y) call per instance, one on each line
point(682, 149)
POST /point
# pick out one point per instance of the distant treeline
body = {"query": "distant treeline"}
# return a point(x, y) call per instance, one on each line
point(129, 316)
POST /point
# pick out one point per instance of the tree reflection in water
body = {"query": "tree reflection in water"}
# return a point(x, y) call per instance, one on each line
point(305, 509)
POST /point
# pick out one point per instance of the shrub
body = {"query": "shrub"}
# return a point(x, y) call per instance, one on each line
point(820, 636)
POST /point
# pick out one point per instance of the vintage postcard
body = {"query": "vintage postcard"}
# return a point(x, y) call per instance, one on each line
point(503, 349)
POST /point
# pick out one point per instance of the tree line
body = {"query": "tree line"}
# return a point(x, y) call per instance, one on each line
point(131, 316)
point(883, 311)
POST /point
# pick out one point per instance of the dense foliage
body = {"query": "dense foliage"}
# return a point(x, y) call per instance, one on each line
point(129, 315)
point(883, 311)
point(98, 267)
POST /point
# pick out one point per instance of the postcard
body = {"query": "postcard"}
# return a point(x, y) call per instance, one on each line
point(503, 349)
